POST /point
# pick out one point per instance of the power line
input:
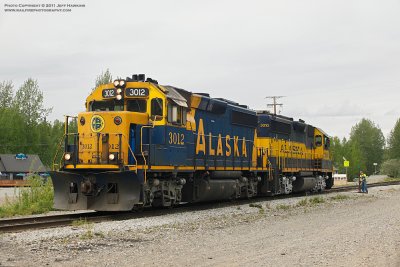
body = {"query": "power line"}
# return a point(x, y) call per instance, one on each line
point(274, 103)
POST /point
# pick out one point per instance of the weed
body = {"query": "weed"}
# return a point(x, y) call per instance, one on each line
point(391, 179)
point(316, 200)
point(34, 199)
point(255, 205)
point(80, 222)
point(268, 206)
point(89, 233)
point(340, 197)
point(261, 211)
point(283, 207)
point(99, 234)
point(303, 202)
point(238, 208)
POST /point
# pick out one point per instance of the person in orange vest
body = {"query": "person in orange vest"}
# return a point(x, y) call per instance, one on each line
point(363, 178)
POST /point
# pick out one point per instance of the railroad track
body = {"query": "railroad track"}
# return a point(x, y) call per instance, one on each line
point(37, 222)
point(40, 222)
point(352, 187)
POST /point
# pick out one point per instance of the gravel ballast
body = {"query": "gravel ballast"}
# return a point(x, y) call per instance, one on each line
point(345, 229)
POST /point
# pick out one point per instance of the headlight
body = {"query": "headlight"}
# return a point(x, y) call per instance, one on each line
point(116, 83)
point(121, 83)
point(111, 156)
point(82, 121)
point(67, 156)
point(119, 97)
point(119, 90)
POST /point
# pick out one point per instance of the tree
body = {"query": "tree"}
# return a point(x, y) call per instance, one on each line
point(29, 101)
point(365, 147)
point(6, 94)
point(103, 78)
point(337, 153)
point(391, 167)
point(13, 134)
point(394, 142)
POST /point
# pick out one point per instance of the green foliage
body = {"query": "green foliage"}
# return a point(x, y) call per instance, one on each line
point(103, 78)
point(283, 207)
point(35, 199)
point(340, 197)
point(29, 101)
point(338, 150)
point(23, 125)
point(394, 142)
point(365, 147)
point(6, 94)
point(303, 202)
point(391, 167)
point(316, 200)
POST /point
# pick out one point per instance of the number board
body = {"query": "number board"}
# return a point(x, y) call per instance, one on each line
point(135, 92)
point(108, 93)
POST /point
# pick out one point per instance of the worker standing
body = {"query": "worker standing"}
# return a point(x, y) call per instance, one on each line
point(363, 178)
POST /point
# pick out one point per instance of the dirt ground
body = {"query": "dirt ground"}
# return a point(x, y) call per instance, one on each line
point(349, 230)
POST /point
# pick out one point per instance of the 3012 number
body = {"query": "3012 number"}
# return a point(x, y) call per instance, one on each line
point(136, 92)
point(176, 138)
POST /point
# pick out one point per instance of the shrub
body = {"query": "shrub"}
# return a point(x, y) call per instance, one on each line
point(391, 167)
point(34, 199)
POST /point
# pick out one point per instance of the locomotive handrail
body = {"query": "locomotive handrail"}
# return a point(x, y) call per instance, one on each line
point(57, 150)
point(141, 145)
point(130, 149)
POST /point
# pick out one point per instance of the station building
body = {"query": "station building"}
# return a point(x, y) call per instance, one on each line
point(14, 168)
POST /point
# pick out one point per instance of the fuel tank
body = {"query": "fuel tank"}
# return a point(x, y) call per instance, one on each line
point(302, 184)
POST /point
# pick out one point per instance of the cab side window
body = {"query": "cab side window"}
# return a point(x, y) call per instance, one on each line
point(176, 114)
point(327, 142)
point(157, 108)
point(318, 140)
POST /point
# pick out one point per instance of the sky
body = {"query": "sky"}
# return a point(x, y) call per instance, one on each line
point(335, 62)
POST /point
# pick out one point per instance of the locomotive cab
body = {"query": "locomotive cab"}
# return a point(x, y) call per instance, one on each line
point(107, 132)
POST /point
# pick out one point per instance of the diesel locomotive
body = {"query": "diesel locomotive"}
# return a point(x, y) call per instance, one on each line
point(141, 144)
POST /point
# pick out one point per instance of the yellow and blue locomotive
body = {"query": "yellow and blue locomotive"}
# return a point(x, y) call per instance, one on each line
point(141, 144)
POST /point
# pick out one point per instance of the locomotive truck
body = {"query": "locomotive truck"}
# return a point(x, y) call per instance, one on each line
point(141, 144)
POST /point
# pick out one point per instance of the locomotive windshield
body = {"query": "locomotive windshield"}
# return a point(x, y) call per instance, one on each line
point(136, 105)
point(107, 105)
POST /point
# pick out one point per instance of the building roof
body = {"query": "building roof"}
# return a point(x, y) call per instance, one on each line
point(10, 163)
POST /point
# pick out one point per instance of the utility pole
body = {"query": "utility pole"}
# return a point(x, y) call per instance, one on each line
point(274, 104)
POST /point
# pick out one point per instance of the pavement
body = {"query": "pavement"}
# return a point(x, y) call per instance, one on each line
point(8, 192)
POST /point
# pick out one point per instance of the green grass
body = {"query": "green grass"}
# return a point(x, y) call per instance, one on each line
point(35, 199)
point(283, 207)
point(316, 200)
point(391, 179)
point(79, 223)
point(302, 203)
point(339, 197)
